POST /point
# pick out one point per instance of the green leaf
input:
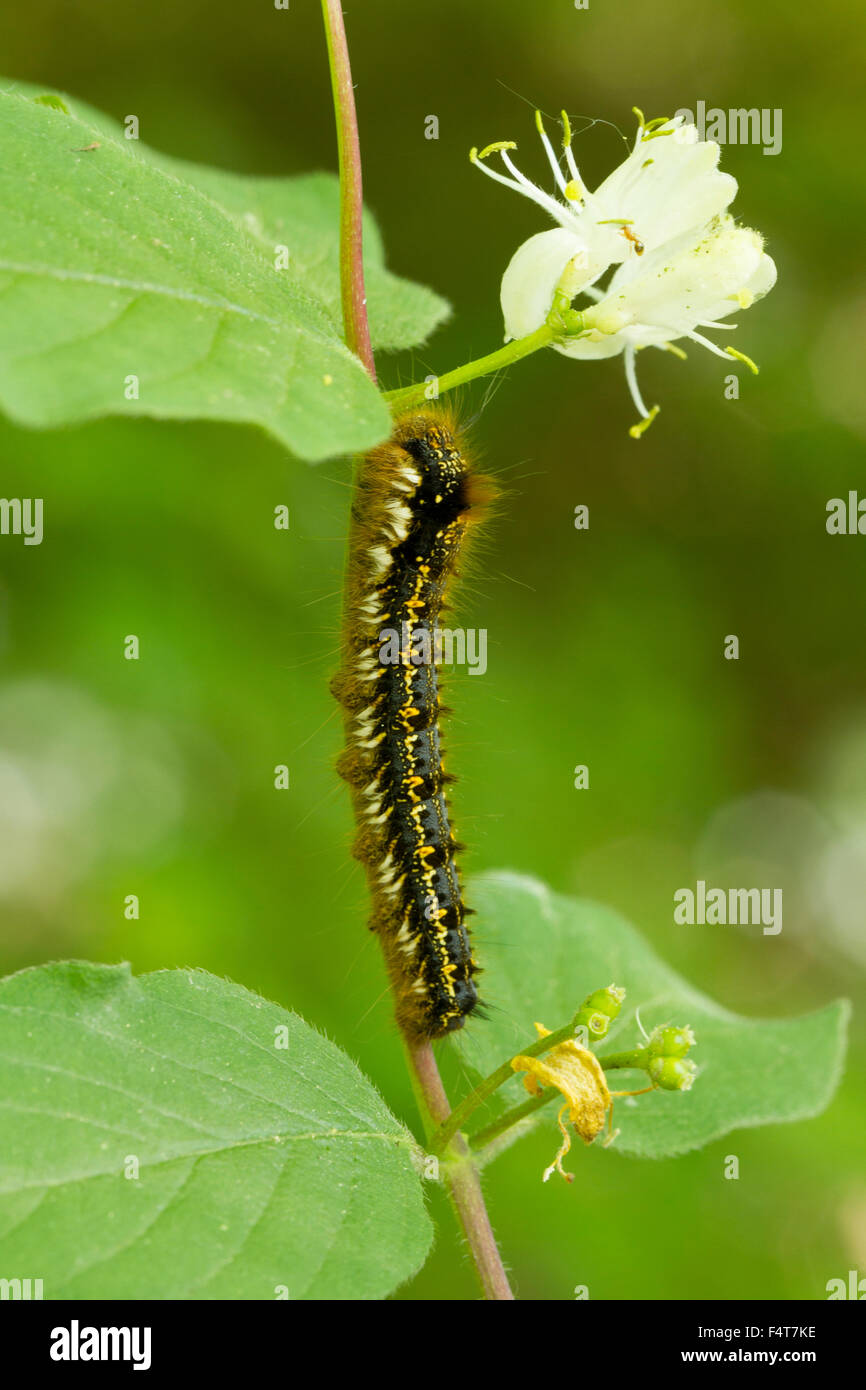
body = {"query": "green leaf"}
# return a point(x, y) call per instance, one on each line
point(118, 263)
point(303, 214)
point(544, 953)
point(257, 1167)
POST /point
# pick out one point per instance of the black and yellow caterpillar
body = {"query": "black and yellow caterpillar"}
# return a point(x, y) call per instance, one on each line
point(416, 500)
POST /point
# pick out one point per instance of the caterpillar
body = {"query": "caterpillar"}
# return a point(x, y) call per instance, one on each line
point(415, 502)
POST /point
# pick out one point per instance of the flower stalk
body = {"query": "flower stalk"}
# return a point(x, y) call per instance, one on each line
point(479, 1141)
point(409, 396)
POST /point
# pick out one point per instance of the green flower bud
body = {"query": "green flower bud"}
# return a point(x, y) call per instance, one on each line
point(597, 1011)
point(670, 1042)
point(672, 1073)
point(606, 1001)
point(590, 1027)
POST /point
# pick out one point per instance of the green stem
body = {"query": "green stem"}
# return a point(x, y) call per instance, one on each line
point(636, 1059)
point(485, 1136)
point(459, 1174)
point(356, 329)
point(458, 1117)
point(410, 396)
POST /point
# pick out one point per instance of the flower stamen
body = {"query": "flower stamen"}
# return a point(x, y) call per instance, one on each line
point(642, 426)
point(741, 357)
point(653, 127)
point(477, 157)
point(629, 355)
point(518, 181)
point(551, 155)
point(705, 342)
point(571, 161)
point(494, 148)
point(575, 190)
point(655, 134)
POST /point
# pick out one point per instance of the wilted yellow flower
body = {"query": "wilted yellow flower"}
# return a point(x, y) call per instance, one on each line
point(578, 1074)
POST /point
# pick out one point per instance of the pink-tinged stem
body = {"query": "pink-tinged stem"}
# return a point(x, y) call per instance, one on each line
point(356, 329)
point(460, 1175)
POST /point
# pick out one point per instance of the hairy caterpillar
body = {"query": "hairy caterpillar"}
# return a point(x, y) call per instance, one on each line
point(416, 499)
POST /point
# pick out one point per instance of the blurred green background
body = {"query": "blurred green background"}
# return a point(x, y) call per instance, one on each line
point(156, 777)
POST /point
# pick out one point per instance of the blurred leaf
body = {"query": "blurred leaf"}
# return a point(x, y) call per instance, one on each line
point(116, 261)
point(258, 1167)
point(544, 953)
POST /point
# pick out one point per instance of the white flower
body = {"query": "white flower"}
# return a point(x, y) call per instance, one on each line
point(682, 262)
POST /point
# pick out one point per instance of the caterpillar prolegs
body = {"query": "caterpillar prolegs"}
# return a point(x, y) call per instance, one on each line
point(416, 499)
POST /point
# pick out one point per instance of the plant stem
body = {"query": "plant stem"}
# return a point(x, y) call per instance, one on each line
point(485, 1136)
point(636, 1060)
point(356, 329)
point(458, 1117)
point(459, 1174)
point(459, 1171)
point(410, 396)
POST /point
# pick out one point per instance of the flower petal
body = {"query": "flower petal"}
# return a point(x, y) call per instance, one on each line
point(592, 347)
point(679, 286)
point(758, 284)
point(532, 276)
point(577, 1074)
point(668, 185)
